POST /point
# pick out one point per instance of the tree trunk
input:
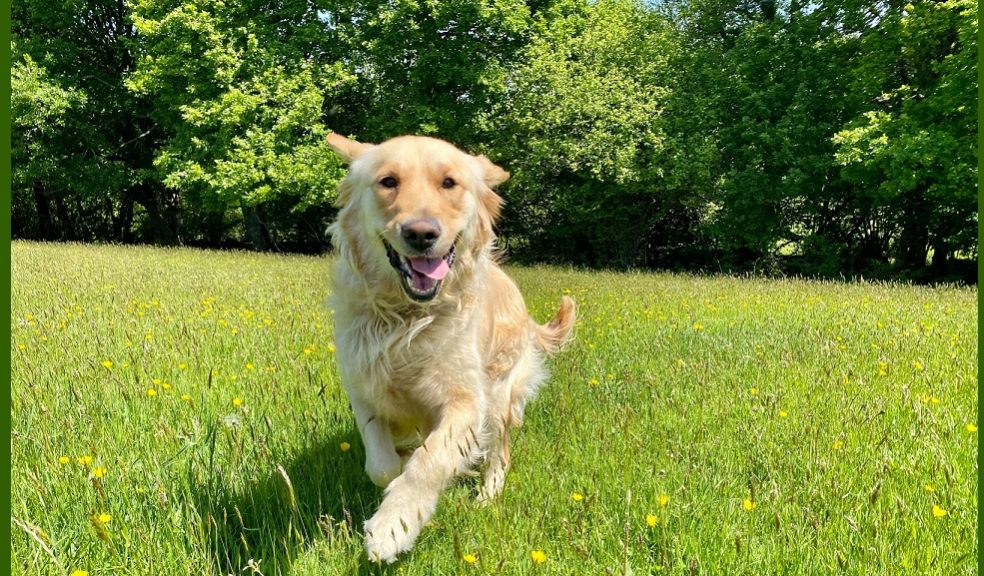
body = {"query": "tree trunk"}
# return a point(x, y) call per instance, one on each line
point(214, 227)
point(172, 216)
point(255, 232)
point(939, 267)
point(64, 220)
point(45, 226)
point(913, 243)
point(123, 222)
point(146, 196)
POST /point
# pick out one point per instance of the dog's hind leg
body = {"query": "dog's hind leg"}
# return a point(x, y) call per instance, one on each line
point(525, 379)
point(517, 387)
point(497, 459)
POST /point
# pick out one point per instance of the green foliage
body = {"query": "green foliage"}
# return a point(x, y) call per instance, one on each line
point(582, 112)
point(831, 138)
point(430, 67)
point(104, 146)
point(588, 96)
point(916, 152)
point(245, 126)
point(40, 111)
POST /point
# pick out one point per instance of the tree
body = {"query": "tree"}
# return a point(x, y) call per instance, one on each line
point(40, 112)
point(431, 67)
point(105, 146)
point(914, 150)
point(580, 129)
point(242, 104)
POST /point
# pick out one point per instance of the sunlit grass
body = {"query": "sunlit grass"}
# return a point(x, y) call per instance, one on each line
point(179, 412)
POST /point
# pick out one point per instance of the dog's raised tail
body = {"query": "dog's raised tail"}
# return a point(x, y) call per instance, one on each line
point(553, 335)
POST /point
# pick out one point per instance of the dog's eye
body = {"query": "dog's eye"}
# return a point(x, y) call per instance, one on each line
point(388, 182)
point(448, 183)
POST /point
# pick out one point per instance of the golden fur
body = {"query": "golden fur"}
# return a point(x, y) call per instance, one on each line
point(440, 381)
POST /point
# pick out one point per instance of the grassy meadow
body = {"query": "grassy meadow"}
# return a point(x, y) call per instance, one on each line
point(178, 411)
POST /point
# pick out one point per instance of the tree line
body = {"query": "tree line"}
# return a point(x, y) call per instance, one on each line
point(824, 137)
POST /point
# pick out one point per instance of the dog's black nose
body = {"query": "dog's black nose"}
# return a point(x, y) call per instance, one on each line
point(421, 234)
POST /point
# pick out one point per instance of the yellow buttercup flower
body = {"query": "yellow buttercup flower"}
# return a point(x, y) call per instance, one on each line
point(918, 365)
point(577, 496)
point(469, 558)
point(331, 350)
point(99, 471)
point(929, 488)
point(237, 401)
point(105, 518)
point(664, 500)
point(783, 414)
point(939, 512)
point(80, 573)
point(651, 520)
point(107, 364)
point(749, 504)
point(971, 428)
point(754, 391)
point(186, 397)
point(344, 446)
point(151, 392)
point(249, 365)
point(838, 444)
point(538, 556)
point(85, 460)
point(64, 459)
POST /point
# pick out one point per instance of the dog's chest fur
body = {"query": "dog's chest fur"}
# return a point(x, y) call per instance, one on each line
point(405, 365)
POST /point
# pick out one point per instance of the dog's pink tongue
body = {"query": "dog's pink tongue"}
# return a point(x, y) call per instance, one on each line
point(433, 268)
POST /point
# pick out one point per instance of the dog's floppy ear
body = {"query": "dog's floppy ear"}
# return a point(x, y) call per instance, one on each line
point(490, 203)
point(348, 149)
point(493, 175)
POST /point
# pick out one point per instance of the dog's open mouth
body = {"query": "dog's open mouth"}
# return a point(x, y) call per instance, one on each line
point(420, 276)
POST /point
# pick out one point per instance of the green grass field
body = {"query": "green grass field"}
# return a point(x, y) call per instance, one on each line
point(179, 412)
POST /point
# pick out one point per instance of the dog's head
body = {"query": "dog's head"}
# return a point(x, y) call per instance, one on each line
point(415, 209)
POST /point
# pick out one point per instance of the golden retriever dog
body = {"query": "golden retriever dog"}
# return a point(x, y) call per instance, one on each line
point(436, 349)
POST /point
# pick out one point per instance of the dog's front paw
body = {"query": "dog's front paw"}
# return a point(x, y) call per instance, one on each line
point(388, 534)
point(383, 468)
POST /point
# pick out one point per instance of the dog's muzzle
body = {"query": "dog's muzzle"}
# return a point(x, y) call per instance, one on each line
point(420, 276)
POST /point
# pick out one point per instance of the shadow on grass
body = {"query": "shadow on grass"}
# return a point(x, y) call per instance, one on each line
point(320, 494)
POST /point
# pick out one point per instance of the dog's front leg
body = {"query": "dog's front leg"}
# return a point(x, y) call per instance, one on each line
point(411, 498)
point(382, 462)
